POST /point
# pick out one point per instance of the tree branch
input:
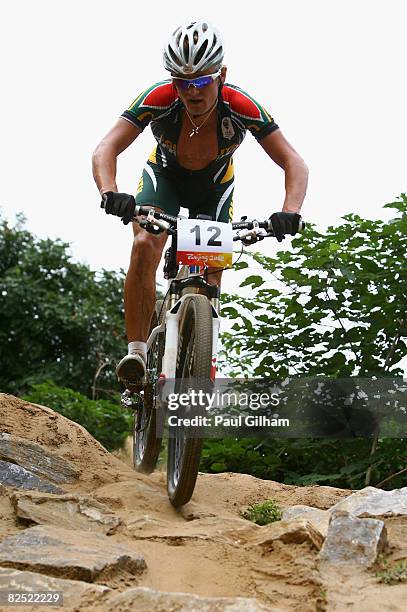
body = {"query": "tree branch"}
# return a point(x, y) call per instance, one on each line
point(337, 317)
point(382, 482)
point(97, 374)
point(394, 345)
point(372, 452)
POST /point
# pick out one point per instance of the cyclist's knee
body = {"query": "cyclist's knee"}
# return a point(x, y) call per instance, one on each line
point(147, 248)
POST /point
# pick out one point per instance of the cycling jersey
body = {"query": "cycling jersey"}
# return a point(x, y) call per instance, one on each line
point(161, 107)
point(166, 184)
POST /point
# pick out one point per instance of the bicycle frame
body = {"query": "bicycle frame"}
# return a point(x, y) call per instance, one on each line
point(182, 283)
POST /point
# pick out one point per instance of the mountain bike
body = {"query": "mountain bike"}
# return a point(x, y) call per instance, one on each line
point(182, 343)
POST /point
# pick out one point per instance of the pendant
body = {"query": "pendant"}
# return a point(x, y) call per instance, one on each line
point(194, 131)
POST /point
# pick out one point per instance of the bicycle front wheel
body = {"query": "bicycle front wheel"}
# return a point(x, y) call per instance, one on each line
point(193, 361)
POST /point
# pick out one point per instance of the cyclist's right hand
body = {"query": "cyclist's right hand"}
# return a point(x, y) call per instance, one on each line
point(120, 204)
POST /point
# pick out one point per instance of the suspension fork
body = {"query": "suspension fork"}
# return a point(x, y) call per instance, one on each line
point(215, 337)
point(172, 319)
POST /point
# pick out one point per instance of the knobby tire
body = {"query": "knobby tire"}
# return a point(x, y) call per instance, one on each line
point(194, 361)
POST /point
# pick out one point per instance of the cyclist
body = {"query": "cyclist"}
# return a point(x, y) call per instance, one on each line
point(198, 120)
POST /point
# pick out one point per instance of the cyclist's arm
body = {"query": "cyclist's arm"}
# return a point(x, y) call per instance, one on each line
point(122, 134)
point(296, 171)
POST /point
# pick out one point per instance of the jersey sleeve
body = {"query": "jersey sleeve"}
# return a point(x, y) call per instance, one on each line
point(248, 112)
point(151, 104)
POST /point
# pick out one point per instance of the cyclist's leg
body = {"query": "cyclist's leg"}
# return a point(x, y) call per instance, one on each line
point(156, 190)
point(139, 291)
point(139, 287)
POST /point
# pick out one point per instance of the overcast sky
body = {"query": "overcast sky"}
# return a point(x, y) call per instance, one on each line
point(332, 74)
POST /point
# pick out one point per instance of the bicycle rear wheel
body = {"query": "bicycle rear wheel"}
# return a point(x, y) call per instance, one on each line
point(193, 361)
point(146, 441)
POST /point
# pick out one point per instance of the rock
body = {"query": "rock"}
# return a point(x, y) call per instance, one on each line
point(319, 519)
point(36, 459)
point(352, 540)
point(224, 529)
point(150, 491)
point(193, 512)
point(140, 599)
point(289, 532)
point(12, 475)
point(8, 524)
point(147, 524)
point(370, 502)
point(73, 590)
point(78, 555)
point(78, 512)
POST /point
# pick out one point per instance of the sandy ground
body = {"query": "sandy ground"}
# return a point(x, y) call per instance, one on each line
point(204, 547)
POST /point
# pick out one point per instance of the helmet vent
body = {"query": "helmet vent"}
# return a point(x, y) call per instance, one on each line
point(185, 47)
point(201, 52)
point(212, 45)
point(174, 57)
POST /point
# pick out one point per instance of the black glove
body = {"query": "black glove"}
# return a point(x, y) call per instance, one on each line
point(285, 223)
point(121, 204)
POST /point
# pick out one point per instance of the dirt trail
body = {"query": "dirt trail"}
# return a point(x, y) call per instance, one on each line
point(205, 548)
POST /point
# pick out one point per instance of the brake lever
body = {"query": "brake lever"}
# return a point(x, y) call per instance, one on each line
point(149, 227)
point(249, 240)
point(250, 236)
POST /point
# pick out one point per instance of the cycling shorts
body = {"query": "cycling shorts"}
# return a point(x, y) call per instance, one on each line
point(200, 193)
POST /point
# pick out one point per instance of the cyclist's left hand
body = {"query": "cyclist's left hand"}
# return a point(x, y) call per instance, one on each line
point(285, 223)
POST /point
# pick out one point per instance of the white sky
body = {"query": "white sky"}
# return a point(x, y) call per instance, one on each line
point(332, 73)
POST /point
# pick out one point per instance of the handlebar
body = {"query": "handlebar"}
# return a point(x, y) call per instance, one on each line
point(157, 222)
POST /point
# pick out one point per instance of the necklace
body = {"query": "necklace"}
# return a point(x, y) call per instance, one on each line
point(196, 128)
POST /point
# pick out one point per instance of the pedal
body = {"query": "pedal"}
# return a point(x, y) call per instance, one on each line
point(130, 400)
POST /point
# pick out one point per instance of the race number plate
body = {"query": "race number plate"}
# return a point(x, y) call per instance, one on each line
point(204, 243)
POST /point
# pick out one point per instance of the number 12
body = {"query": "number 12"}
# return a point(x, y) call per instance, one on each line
point(212, 240)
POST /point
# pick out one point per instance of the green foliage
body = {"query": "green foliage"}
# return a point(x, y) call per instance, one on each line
point(240, 456)
point(104, 420)
point(58, 319)
point(263, 513)
point(392, 573)
point(336, 307)
point(341, 463)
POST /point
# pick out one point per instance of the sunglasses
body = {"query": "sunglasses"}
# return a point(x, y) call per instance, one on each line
point(199, 82)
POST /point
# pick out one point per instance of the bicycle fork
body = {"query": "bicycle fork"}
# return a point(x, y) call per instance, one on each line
point(172, 320)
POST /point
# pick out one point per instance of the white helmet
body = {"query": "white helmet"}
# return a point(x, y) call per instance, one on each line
point(193, 47)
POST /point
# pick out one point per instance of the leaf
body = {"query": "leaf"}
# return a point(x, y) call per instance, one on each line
point(293, 274)
point(240, 265)
point(333, 247)
point(254, 281)
point(401, 206)
point(230, 312)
